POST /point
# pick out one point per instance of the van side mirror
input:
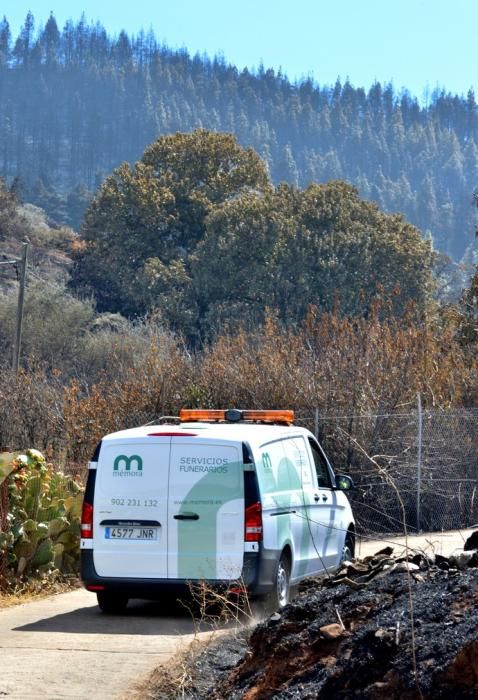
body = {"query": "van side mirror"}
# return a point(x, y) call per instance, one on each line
point(344, 482)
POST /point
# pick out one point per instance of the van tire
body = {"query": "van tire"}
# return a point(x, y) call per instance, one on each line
point(348, 550)
point(281, 591)
point(279, 595)
point(111, 603)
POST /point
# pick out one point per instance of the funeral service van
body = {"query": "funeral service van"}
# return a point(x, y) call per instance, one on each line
point(235, 498)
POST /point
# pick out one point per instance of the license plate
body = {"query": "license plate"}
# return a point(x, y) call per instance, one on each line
point(131, 533)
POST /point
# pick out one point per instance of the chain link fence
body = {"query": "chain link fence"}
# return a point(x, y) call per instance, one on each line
point(426, 460)
point(422, 463)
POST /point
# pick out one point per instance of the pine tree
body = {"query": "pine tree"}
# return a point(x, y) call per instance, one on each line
point(5, 42)
point(24, 43)
point(50, 40)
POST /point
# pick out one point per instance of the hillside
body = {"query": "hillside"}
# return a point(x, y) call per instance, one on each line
point(76, 103)
point(50, 245)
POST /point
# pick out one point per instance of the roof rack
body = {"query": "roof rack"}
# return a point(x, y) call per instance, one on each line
point(175, 420)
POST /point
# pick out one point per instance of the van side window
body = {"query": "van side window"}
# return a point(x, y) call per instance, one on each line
point(323, 477)
point(300, 462)
point(274, 473)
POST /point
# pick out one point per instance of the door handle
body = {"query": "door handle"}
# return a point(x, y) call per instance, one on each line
point(186, 516)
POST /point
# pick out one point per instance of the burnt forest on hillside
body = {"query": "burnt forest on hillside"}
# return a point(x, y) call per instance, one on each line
point(75, 102)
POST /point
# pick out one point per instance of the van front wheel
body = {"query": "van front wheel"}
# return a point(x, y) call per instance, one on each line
point(282, 583)
point(111, 603)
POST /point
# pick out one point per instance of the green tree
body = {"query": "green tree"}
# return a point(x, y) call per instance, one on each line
point(201, 169)
point(290, 249)
point(234, 271)
point(156, 211)
point(351, 249)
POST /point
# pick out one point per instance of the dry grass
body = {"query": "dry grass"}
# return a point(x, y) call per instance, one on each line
point(171, 678)
point(27, 591)
point(342, 366)
point(184, 675)
point(213, 611)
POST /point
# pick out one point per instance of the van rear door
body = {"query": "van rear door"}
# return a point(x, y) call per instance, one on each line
point(206, 510)
point(130, 508)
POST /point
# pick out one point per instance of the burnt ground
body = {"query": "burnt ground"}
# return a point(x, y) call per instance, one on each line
point(352, 637)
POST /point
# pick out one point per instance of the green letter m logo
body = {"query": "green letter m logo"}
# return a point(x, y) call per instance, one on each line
point(127, 462)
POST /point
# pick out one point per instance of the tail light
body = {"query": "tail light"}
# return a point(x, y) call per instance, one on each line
point(253, 523)
point(87, 521)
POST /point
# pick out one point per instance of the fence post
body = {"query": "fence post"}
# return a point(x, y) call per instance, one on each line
point(316, 424)
point(419, 459)
point(3, 528)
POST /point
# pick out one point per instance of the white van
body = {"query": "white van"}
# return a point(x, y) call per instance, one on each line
point(234, 498)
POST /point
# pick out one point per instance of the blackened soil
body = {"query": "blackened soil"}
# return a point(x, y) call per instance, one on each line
point(305, 653)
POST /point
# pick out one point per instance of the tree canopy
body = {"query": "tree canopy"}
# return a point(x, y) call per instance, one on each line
point(196, 232)
point(321, 246)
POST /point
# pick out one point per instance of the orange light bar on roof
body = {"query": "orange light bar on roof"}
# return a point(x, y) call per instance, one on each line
point(284, 417)
point(192, 415)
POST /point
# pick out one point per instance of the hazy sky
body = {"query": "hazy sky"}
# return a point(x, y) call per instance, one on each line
point(413, 43)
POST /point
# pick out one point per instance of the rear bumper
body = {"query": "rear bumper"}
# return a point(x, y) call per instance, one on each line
point(258, 577)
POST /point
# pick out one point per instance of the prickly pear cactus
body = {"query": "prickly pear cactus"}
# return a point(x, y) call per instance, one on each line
point(6, 538)
point(44, 517)
point(6, 465)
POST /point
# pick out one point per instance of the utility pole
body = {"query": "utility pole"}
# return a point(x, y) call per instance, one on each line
point(21, 299)
point(17, 341)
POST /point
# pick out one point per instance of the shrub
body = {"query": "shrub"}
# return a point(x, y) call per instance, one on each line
point(30, 409)
point(53, 324)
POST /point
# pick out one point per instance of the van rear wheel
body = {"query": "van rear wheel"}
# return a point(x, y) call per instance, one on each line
point(111, 603)
point(348, 550)
point(279, 595)
point(282, 583)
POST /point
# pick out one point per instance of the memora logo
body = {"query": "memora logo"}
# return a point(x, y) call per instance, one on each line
point(128, 466)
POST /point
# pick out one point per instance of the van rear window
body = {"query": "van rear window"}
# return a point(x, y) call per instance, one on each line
point(251, 490)
point(96, 453)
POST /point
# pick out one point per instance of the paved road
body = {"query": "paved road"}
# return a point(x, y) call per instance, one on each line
point(63, 647)
point(444, 543)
